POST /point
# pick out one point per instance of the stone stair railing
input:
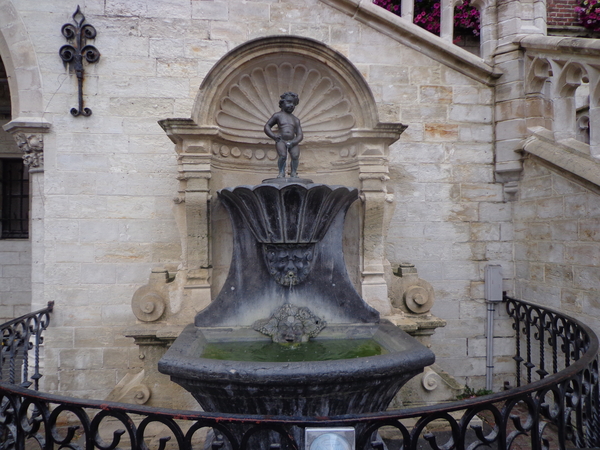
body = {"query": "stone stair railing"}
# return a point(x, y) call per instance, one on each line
point(407, 8)
point(556, 70)
point(488, 21)
point(562, 100)
point(548, 105)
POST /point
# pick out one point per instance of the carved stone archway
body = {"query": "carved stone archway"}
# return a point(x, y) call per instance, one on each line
point(223, 144)
point(27, 126)
point(24, 80)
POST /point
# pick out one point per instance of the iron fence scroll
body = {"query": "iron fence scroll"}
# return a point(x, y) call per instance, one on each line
point(19, 337)
point(554, 405)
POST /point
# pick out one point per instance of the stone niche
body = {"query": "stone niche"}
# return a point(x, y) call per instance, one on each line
point(223, 145)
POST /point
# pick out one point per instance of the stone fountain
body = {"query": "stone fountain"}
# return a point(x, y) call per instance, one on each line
point(288, 283)
point(308, 265)
point(288, 288)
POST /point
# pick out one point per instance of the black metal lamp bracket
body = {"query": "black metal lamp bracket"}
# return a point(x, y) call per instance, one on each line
point(76, 51)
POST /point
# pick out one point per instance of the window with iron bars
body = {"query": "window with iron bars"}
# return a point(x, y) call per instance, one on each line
point(14, 199)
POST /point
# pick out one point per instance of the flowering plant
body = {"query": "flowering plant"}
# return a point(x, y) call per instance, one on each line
point(427, 15)
point(466, 20)
point(589, 14)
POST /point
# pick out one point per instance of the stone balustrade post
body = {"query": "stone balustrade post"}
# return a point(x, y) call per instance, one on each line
point(594, 113)
point(447, 19)
point(407, 8)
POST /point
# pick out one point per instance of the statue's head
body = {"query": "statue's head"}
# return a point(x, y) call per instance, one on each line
point(291, 96)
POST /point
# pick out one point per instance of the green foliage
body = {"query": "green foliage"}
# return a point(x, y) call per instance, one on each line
point(472, 393)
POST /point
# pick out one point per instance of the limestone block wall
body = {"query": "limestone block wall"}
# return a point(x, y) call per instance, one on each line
point(110, 179)
point(15, 278)
point(109, 182)
point(557, 242)
point(449, 216)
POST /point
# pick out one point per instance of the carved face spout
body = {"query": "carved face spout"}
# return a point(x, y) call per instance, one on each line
point(290, 330)
point(288, 264)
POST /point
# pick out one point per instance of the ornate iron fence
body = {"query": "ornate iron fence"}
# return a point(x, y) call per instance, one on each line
point(555, 405)
point(19, 336)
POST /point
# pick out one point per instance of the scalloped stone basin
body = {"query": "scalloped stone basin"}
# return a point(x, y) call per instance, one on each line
point(308, 388)
point(294, 213)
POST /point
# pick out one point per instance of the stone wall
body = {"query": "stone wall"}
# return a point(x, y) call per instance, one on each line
point(15, 278)
point(557, 242)
point(110, 178)
point(450, 218)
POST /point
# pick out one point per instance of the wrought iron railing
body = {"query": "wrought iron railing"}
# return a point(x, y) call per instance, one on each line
point(554, 405)
point(19, 336)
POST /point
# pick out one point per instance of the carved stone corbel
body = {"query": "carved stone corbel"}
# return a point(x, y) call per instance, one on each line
point(409, 293)
point(412, 299)
point(32, 146)
point(131, 389)
point(29, 136)
point(150, 301)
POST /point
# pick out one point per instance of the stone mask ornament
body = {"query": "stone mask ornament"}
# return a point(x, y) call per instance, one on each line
point(289, 265)
point(290, 324)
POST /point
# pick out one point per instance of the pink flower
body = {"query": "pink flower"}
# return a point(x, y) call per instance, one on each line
point(427, 15)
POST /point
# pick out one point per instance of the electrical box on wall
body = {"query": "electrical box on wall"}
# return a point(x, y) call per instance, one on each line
point(493, 283)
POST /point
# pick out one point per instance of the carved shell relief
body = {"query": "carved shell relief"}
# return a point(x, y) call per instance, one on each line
point(254, 98)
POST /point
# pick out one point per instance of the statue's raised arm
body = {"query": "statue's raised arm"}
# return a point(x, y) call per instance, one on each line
point(289, 133)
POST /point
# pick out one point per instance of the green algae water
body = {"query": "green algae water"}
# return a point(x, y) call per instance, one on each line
point(322, 350)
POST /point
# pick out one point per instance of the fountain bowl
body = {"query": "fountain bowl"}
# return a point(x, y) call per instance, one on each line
point(306, 388)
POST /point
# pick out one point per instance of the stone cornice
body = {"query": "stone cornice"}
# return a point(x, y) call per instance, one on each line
point(554, 44)
point(418, 39)
point(31, 124)
point(567, 155)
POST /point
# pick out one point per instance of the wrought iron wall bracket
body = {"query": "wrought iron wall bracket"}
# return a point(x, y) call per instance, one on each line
point(76, 51)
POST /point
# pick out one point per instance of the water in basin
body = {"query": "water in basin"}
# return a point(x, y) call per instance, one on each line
point(313, 350)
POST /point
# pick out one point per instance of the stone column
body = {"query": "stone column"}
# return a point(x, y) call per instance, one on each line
point(193, 147)
point(29, 135)
point(514, 20)
point(594, 127)
point(194, 178)
point(373, 173)
point(488, 18)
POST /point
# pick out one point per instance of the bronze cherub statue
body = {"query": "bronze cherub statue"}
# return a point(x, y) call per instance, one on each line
point(289, 133)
